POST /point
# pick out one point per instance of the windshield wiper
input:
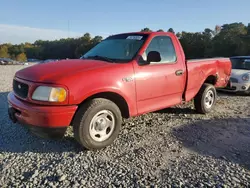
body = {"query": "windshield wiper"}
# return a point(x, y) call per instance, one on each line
point(100, 58)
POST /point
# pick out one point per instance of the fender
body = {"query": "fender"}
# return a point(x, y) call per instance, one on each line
point(130, 102)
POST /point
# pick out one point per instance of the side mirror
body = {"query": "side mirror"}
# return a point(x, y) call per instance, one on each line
point(154, 56)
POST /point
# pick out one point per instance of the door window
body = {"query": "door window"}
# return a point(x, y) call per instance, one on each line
point(163, 45)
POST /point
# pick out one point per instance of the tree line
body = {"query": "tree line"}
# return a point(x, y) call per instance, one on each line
point(222, 41)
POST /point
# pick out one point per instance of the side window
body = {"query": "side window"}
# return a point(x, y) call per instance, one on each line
point(164, 45)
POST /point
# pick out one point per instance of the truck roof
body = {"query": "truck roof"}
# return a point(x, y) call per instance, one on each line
point(145, 32)
point(241, 57)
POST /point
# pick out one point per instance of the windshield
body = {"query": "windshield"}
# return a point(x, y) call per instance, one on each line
point(122, 47)
point(240, 63)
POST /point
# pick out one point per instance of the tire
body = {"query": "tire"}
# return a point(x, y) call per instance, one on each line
point(247, 93)
point(107, 119)
point(201, 99)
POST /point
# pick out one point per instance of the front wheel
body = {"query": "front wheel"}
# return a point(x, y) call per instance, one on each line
point(97, 123)
point(205, 100)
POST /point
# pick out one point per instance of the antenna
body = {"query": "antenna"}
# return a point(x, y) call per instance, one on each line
point(68, 28)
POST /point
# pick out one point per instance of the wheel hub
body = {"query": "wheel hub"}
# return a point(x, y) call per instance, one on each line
point(209, 99)
point(102, 125)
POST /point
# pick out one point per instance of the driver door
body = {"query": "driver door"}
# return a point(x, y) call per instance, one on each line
point(157, 84)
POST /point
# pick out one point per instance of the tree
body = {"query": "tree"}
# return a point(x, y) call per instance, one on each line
point(87, 37)
point(27, 45)
point(217, 30)
point(4, 51)
point(171, 30)
point(146, 29)
point(230, 40)
point(21, 57)
point(248, 29)
point(226, 40)
point(35, 52)
point(97, 39)
point(15, 50)
point(207, 31)
point(193, 44)
point(178, 35)
point(160, 30)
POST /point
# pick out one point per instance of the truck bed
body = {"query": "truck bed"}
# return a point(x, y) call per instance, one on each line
point(203, 70)
point(206, 59)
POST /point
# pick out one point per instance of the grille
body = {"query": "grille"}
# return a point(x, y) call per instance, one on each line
point(234, 80)
point(20, 89)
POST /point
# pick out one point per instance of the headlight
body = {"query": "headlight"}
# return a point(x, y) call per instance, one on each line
point(245, 77)
point(51, 94)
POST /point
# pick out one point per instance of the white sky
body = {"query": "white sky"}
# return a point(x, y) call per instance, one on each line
point(19, 34)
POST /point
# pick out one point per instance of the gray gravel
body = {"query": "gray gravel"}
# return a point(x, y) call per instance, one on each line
point(171, 148)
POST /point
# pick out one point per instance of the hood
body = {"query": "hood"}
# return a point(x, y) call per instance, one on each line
point(239, 72)
point(53, 71)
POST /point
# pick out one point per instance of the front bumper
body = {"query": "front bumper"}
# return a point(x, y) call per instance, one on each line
point(40, 117)
point(238, 87)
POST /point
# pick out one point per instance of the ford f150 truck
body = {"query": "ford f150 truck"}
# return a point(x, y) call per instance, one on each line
point(125, 75)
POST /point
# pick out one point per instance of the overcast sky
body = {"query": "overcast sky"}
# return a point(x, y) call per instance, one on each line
point(17, 34)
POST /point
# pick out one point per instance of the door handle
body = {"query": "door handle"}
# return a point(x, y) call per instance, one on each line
point(179, 72)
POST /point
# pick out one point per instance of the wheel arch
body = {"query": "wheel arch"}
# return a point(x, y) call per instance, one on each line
point(211, 79)
point(119, 100)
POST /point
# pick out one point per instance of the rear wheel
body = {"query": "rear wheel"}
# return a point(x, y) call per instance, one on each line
point(205, 100)
point(97, 123)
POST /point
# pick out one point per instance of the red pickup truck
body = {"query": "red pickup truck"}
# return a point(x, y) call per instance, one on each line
point(125, 75)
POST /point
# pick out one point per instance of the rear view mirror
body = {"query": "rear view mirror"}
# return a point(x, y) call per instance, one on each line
point(154, 56)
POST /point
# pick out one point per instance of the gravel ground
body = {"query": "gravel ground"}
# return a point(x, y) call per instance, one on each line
point(171, 148)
